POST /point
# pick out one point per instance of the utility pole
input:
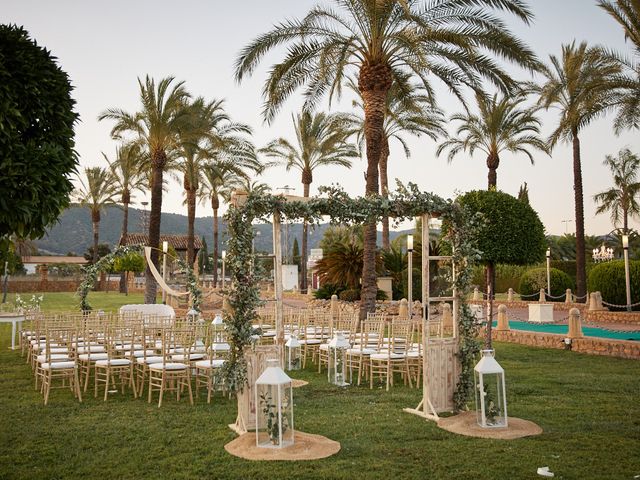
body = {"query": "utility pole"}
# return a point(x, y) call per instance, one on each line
point(566, 225)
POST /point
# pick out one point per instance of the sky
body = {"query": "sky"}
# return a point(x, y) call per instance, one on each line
point(106, 46)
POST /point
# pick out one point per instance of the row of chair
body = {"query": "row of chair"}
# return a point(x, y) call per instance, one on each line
point(158, 352)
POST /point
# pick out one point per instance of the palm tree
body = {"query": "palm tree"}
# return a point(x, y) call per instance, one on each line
point(579, 85)
point(627, 14)
point(380, 39)
point(126, 170)
point(220, 181)
point(321, 140)
point(622, 199)
point(156, 126)
point(408, 111)
point(213, 136)
point(502, 124)
point(99, 191)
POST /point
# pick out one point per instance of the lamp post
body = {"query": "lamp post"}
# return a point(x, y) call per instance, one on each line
point(625, 248)
point(409, 273)
point(549, 271)
point(224, 255)
point(165, 249)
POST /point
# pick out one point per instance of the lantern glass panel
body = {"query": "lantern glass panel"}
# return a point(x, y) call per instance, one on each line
point(337, 371)
point(274, 408)
point(491, 405)
point(292, 352)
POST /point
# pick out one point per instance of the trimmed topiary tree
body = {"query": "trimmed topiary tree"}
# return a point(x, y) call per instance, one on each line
point(536, 278)
point(609, 279)
point(36, 136)
point(512, 233)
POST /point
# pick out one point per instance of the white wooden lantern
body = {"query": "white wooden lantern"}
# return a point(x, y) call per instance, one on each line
point(194, 319)
point(338, 360)
point(274, 408)
point(292, 353)
point(491, 395)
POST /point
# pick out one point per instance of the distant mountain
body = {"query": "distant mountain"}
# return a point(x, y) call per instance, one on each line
point(73, 232)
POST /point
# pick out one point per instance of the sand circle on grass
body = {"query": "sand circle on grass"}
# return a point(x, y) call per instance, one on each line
point(307, 446)
point(466, 424)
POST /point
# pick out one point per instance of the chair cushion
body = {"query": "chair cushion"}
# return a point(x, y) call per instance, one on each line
point(310, 341)
point(139, 353)
point(324, 347)
point(211, 363)
point(167, 366)
point(90, 348)
point(56, 357)
point(115, 362)
point(92, 357)
point(220, 347)
point(361, 351)
point(385, 356)
point(127, 347)
point(58, 365)
point(148, 360)
point(178, 357)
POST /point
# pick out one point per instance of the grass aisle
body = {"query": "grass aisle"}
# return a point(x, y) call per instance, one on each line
point(588, 407)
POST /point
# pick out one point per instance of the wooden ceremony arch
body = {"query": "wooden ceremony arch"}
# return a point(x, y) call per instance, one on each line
point(447, 368)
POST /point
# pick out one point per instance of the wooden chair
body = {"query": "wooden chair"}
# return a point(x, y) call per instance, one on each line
point(169, 375)
point(66, 370)
point(207, 372)
point(366, 343)
point(107, 369)
point(392, 357)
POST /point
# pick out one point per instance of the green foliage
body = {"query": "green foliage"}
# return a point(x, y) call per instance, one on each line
point(608, 278)
point(350, 295)
point(326, 290)
point(507, 276)
point(36, 136)
point(131, 262)
point(536, 278)
point(295, 252)
point(406, 203)
point(107, 262)
point(7, 254)
point(512, 232)
point(103, 250)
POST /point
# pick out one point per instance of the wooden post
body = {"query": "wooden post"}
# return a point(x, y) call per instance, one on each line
point(277, 279)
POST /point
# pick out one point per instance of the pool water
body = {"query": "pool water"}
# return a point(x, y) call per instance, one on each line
point(564, 329)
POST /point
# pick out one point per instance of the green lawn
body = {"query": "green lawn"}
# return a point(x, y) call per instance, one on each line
point(68, 301)
point(588, 407)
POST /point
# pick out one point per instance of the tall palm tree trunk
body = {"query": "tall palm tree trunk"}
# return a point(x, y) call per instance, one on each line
point(215, 203)
point(492, 163)
point(384, 188)
point(126, 198)
point(578, 195)
point(95, 223)
point(374, 83)
point(191, 217)
point(305, 245)
point(158, 162)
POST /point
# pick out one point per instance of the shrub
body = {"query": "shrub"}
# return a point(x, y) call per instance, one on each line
point(327, 290)
point(536, 278)
point(507, 276)
point(609, 279)
point(351, 295)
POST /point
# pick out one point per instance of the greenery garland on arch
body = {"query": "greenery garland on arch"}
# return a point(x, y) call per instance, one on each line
point(105, 264)
point(407, 202)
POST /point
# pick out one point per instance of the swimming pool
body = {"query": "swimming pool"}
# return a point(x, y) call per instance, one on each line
point(564, 329)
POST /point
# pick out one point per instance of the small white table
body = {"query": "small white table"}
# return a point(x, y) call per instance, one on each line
point(13, 319)
point(541, 312)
